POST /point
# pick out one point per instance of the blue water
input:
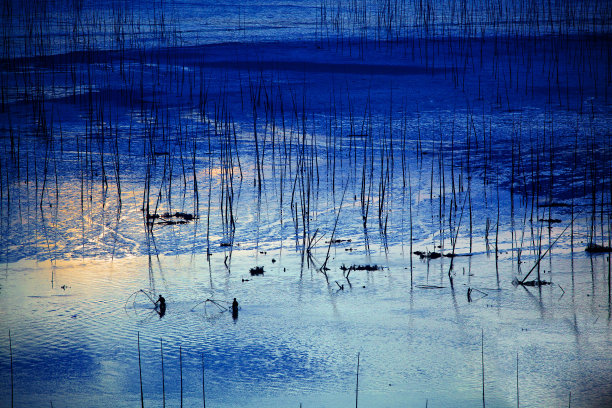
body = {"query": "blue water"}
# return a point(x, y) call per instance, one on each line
point(278, 127)
point(296, 339)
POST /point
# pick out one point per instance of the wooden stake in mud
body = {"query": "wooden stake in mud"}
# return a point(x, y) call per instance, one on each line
point(203, 389)
point(545, 252)
point(517, 384)
point(11, 355)
point(140, 374)
point(357, 386)
point(181, 369)
point(482, 364)
point(161, 349)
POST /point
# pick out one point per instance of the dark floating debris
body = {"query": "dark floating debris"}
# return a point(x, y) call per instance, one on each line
point(598, 249)
point(430, 287)
point(436, 255)
point(178, 214)
point(553, 205)
point(535, 282)
point(361, 268)
point(453, 255)
point(428, 255)
point(257, 270)
point(167, 218)
point(171, 222)
point(225, 244)
point(550, 220)
point(338, 241)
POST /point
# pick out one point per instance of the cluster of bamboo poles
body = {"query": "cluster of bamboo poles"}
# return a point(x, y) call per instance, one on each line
point(187, 136)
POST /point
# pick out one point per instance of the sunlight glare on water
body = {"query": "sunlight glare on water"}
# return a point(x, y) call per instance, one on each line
point(397, 169)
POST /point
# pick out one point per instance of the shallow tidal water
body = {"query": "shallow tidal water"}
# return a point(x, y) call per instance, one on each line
point(168, 148)
point(296, 338)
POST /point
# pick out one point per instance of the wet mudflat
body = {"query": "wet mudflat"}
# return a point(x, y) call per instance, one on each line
point(429, 190)
point(295, 337)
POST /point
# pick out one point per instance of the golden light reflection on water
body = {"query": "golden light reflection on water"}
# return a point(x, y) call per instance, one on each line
point(85, 303)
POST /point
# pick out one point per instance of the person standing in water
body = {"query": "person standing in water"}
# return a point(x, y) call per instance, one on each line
point(235, 309)
point(161, 301)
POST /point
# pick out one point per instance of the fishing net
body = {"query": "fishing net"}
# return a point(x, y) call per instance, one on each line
point(141, 305)
point(212, 309)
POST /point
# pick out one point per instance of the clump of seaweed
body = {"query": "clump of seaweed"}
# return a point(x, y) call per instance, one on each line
point(180, 215)
point(428, 255)
point(550, 220)
point(256, 270)
point(338, 241)
point(171, 222)
point(597, 249)
point(344, 268)
point(454, 255)
point(167, 218)
point(436, 255)
point(553, 205)
point(535, 282)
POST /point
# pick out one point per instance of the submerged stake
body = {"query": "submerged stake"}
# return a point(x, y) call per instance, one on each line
point(11, 354)
point(161, 350)
point(482, 363)
point(357, 386)
point(140, 373)
point(181, 368)
point(203, 388)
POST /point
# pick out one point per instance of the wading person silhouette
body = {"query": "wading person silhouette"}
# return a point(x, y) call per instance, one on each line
point(161, 302)
point(235, 309)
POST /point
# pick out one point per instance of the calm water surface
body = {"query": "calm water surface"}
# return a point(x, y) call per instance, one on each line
point(278, 127)
point(296, 338)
